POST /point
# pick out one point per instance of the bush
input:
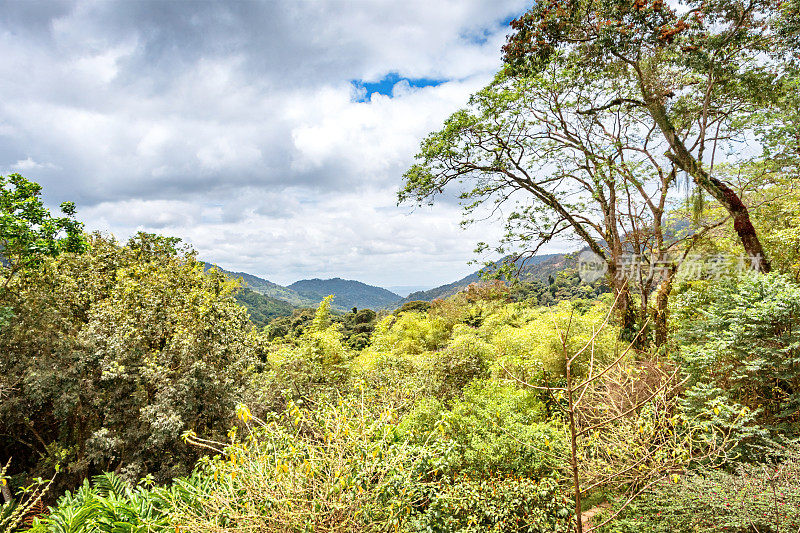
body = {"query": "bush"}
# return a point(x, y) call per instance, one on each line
point(313, 367)
point(112, 354)
point(494, 429)
point(764, 498)
point(743, 336)
point(410, 334)
point(528, 342)
point(520, 505)
point(466, 357)
point(338, 468)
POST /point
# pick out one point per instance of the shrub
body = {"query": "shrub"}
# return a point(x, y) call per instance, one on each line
point(493, 429)
point(339, 468)
point(762, 498)
point(410, 334)
point(743, 336)
point(529, 345)
point(113, 353)
point(312, 367)
point(466, 357)
point(345, 467)
point(510, 504)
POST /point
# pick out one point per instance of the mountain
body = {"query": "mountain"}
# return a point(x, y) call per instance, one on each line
point(262, 308)
point(347, 293)
point(537, 267)
point(268, 288)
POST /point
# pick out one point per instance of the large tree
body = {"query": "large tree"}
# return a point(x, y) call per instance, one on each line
point(111, 354)
point(547, 153)
point(699, 70)
point(29, 233)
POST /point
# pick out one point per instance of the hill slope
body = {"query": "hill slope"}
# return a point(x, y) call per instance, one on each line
point(263, 308)
point(268, 288)
point(347, 293)
point(538, 267)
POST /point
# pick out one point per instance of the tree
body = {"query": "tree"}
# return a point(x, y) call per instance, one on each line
point(113, 353)
point(575, 168)
point(623, 424)
point(28, 232)
point(698, 74)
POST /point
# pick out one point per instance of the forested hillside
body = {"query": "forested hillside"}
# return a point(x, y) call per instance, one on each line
point(261, 308)
point(346, 293)
point(539, 267)
point(268, 288)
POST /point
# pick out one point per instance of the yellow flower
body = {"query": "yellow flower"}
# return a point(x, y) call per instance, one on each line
point(243, 413)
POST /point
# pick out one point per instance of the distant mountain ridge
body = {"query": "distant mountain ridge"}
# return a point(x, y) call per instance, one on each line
point(347, 293)
point(350, 293)
point(309, 292)
point(268, 288)
point(537, 267)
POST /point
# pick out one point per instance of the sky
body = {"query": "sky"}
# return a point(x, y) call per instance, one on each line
point(270, 136)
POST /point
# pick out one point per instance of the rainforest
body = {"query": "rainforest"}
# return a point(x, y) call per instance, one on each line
point(644, 378)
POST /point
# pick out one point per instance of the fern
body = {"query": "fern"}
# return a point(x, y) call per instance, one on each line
point(107, 505)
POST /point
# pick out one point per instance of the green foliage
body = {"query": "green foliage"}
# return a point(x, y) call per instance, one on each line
point(340, 468)
point(750, 498)
point(743, 335)
point(262, 309)
point(493, 430)
point(15, 512)
point(565, 285)
point(311, 367)
point(724, 423)
point(410, 333)
point(519, 505)
point(28, 232)
point(344, 468)
point(415, 305)
point(112, 354)
point(290, 326)
point(529, 344)
point(6, 314)
point(107, 505)
point(466, 357)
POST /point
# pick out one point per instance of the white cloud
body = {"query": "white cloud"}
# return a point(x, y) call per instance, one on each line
point(29, 164)
point(237, 126)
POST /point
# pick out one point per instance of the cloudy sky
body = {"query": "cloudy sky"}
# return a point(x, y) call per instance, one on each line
point(271, 136)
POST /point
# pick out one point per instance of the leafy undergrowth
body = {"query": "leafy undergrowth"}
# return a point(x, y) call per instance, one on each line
point(752, 497)
point(431, 428)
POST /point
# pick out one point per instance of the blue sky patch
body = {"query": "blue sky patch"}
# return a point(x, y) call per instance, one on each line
point(384, 85)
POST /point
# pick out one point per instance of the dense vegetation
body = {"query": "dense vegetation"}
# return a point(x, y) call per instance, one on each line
point(136, 394)
point(261, 308)
point(346, 293)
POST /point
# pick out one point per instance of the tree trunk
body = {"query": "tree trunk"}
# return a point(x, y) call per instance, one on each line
point(624, 304)
point(661, 312)
point(573, 440)
point(721, 192)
